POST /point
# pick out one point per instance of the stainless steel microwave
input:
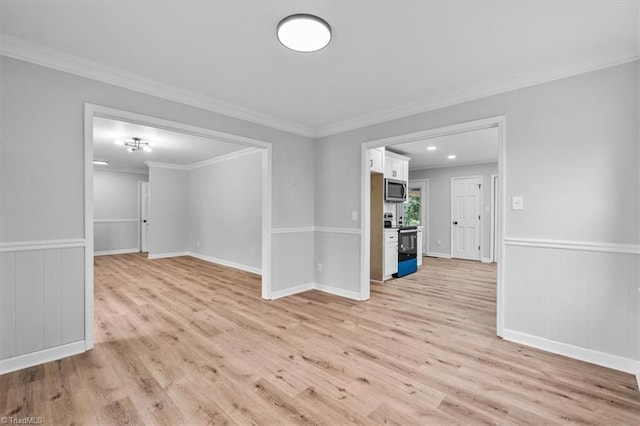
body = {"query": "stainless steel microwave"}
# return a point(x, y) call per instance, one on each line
point(395, 191)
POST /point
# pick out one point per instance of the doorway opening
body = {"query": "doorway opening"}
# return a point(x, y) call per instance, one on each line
point(420, 207)
point(174, 176)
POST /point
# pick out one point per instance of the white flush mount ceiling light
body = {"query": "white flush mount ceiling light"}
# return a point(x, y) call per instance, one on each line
point(100, 162)
point(304, 33)
point(135, 144)
point(431, 148)
point(451, 157)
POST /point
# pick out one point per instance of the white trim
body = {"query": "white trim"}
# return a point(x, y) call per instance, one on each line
point(116, 220)
point(492, 212)
point(502, 85)
point(480, 178)
point(120, 251)
point(292, 230)
point(41, 245)
point(203, 163)
point(41, 357)
point(352, 231)
point(278, 294)
point(160, 165)
point(354, 295)
point(486, 260)
point(583, 354)
point(574, 245)
point(30, 52)
point(450, 165)
point(167, 255)
point(436, 254)
point(234, 265)
point(121, 170)
point(221, 158)
point(365, 196)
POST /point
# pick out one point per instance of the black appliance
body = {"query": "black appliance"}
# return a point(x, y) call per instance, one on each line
point(407, 251)
point(395, 191)
point(388, 220)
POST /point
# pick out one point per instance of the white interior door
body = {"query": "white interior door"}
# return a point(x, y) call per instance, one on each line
point(144, 217)
point(465, 218)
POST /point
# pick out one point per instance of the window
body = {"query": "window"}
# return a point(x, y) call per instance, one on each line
point(412, 208)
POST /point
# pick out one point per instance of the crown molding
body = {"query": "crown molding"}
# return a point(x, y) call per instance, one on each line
point(582, 65)
point(225, 157)
point(198, 164)
point(447, 166)
point(55, 59)
point(119, 170)
point(30, 52)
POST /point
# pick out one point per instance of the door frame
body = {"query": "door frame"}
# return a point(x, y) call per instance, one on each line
point(479, 177)
point(365, 197)
point(424, 205)
point(494, 210)
point(91, 111)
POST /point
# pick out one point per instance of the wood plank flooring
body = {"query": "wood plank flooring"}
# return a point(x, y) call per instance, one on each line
point(182, 341)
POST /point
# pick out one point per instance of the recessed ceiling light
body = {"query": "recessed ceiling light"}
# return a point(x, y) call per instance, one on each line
point(304, 33)
point(431, 148)
point(451, 156)
point(100, 163)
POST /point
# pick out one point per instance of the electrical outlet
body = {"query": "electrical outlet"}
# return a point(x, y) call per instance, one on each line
point(319, 267)
point(439, 242)
point(198, 244)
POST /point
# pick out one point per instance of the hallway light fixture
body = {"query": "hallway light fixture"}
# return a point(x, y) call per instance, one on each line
point(304, 33)
point(100, 162)
point(135, 144)
point(451, 157)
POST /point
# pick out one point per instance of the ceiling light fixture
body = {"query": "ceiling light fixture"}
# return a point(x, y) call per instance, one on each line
point(431, 148)
point(451, 157)
point(135, 144)
point(100, 162)
point(304, 33)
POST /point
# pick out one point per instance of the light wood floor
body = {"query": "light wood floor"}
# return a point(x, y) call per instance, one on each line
point(182, 341)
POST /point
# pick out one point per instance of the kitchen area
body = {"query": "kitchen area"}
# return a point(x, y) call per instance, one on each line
point(395, 244)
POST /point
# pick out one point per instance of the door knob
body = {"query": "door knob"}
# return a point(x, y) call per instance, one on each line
point(145, 221)
point(455, 223)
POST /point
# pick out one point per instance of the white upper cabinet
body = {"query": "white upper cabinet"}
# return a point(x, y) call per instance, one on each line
point(376, 163)
point(396, 166)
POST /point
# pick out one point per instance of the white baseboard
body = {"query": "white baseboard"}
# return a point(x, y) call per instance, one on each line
point(485, 260)
point(278, 294)
point(435, 254)
point(583, 354)
point(41, 357)
point(165, 255)
point(354, 295)
point(121, 251)
point(315, 286)
point(245, 268)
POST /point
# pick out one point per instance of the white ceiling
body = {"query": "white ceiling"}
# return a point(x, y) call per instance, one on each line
point(167, 146)
point(384, 55)
point(479, 146)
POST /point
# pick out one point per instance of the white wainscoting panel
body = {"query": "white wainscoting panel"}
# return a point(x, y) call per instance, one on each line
point(583, 298)
point(41, 297)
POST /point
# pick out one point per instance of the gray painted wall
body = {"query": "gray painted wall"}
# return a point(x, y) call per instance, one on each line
point(168, 214)
point(439, 209)
point(115, 199)
point(571, 152)
point(225, 210)
point(42, 179)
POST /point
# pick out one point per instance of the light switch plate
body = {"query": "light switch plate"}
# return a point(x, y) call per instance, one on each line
point(517, 202)
point(354, 215)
